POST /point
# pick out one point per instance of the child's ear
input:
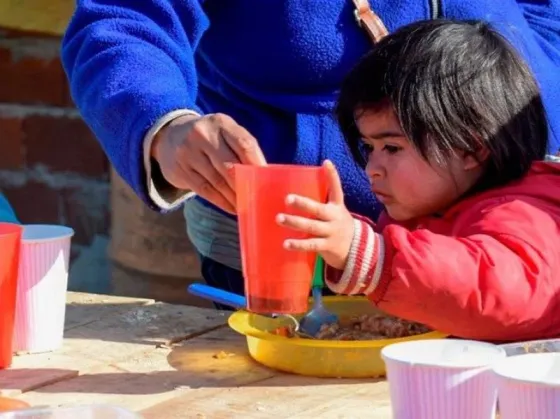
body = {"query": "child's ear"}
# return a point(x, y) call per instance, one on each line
point(475, 160)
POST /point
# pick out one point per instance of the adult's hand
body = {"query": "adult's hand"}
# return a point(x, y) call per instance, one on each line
point(197, 153)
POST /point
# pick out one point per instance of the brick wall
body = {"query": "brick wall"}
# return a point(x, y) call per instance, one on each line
point(52, 169)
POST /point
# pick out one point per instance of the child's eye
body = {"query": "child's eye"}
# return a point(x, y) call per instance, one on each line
point(367, 148)
point(391, 149)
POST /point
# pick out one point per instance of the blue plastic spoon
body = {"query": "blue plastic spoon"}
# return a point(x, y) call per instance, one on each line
point(240, 302)
point(311, 323)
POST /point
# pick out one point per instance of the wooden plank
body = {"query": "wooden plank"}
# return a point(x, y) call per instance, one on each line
point(14, 381)
point(139, 381)
point(104, 385)
point(104, 330)
point(82, 308)
point(216, 359)
point(117, 346)
point(282, 396)
point(232, 386)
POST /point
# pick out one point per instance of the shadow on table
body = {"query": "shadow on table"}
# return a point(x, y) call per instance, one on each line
point(26, 379)
point(125, 383)
point(125, 342)
point(218, 360)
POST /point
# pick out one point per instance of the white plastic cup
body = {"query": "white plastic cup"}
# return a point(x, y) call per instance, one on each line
point(442, 378)
point(529, 386)
point(41, 288)
point(82, 412)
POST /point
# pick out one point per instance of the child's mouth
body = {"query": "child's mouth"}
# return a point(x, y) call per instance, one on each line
point(381, 195)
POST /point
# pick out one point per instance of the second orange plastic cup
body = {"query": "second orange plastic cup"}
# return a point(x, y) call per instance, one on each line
point(276, 280)
point(10, 242)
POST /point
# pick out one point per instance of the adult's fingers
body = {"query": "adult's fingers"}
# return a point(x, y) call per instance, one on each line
point(206, 190)
point(242, 143)
point(202, 165)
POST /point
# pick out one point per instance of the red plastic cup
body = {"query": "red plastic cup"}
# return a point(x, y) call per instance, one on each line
point(276, 280)
point(10, 240)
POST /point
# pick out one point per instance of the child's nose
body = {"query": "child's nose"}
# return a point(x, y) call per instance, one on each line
point(374, 167)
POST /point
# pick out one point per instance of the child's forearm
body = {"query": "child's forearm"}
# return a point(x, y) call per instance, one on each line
point(364, 265)
point(473, 287)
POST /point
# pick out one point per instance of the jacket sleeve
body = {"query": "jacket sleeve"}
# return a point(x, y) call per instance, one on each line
point(533, 27)
point(130, 63)
point(492, 281)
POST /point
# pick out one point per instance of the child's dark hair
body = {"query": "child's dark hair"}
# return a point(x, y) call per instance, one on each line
point(455, 87)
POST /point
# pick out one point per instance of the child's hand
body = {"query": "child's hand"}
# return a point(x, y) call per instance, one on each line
point(330, 225)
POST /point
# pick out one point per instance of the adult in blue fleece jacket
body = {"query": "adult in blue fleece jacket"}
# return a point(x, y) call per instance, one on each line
point(154, 79)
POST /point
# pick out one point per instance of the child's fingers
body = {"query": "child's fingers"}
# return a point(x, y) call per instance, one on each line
point(308, 245)
point(336, 195)
point(305, 225)
point(310, 207)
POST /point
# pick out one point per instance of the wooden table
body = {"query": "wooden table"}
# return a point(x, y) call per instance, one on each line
point(163, 361)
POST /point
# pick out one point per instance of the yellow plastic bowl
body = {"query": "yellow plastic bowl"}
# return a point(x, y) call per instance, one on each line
point(317, 358)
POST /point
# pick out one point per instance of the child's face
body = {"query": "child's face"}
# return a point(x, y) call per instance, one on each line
point(407, 184)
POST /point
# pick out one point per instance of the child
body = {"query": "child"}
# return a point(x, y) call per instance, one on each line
point(448, 121)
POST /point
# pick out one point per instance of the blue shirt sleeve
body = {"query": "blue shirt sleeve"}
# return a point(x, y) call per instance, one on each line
point(130, 62)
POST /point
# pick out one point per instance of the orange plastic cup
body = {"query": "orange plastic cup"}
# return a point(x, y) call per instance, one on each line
point(10, 241)
point(276, 280)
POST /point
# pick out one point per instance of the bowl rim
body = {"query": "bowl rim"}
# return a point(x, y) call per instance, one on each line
point(239, 321)
point(501, 367)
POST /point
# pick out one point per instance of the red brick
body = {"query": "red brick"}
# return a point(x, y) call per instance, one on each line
point(11, 138)
point(32, 80)
point(19, 33)
point(64, 144)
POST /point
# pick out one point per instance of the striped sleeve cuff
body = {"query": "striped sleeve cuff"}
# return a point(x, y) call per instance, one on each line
point(364, 266)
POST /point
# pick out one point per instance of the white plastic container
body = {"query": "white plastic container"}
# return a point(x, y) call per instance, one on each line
point(442, 378)
point(82, 412)
point(529, 386)
point(41, 289)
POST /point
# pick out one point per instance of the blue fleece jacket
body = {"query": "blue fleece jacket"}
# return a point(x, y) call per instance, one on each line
point(274, 66)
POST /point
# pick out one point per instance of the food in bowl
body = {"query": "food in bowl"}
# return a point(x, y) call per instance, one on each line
point(361, 327)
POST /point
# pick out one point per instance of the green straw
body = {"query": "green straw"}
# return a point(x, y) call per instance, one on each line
point(318, 273)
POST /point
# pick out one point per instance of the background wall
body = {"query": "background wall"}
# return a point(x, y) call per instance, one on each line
point(52, 170)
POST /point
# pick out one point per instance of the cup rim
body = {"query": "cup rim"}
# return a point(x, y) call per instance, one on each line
point(389, 354)
point(13, 229)
point(503, 369)
point(50, 232)
point(278, 167)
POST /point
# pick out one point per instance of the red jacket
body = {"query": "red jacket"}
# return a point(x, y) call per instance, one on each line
point(487, 269)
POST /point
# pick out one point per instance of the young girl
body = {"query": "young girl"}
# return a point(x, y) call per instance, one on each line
point(449, 123)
